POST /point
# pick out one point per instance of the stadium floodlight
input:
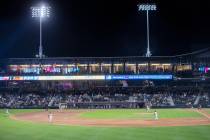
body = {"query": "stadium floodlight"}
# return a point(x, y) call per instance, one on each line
point(40, 12)
point(147, 8)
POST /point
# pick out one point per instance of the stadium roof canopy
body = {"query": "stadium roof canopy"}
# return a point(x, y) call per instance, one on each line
point(199, 55)
point(204, 53)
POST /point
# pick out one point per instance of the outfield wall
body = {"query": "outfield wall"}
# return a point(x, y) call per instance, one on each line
point(104, 105)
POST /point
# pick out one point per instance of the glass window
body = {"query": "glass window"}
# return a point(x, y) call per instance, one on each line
point(118, 68)
point(184, 67)
point(106, 68)
point(83, 68)
point(95, 68)
point(157, 67)
point(130, 68)
point(142, 67)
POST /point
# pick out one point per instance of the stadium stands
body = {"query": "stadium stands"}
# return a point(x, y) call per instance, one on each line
point(106, 82)
point(101, 97)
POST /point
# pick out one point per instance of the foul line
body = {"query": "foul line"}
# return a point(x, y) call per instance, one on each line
point(204, 114)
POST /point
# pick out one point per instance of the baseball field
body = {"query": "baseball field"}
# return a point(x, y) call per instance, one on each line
point(113, 124)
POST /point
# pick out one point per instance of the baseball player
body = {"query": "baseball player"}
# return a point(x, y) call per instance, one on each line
point(7, 111)
point(148, 108)
point(199, 107)
point(156, 115)
point(50, 117)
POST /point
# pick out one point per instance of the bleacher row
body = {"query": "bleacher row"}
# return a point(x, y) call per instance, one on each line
point(103, 97)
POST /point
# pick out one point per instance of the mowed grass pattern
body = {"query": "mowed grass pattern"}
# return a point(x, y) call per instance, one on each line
point(18, 130)
point(139, 114)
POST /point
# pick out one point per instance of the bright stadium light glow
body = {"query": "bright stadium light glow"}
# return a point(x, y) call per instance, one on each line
point(147, 8)
point(40, 12)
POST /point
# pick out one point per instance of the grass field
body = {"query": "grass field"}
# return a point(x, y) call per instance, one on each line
point(136, 114)
point(18, 130)
point(208, 110)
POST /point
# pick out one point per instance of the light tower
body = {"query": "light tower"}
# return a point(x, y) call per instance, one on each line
point(147, 8)
point(40, 12)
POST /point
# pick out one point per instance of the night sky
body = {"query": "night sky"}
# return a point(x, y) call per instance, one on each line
point(103, 28)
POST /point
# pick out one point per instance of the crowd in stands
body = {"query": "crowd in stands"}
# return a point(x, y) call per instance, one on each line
point(156, 96)
point(187, 98)
point(204, 99)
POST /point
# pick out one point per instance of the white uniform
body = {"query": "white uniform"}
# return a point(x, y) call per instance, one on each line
point(156, 115)
point(7, 111)
point(148, 108)
point(50, 117)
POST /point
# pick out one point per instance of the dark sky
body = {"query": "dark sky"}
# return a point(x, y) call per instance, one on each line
point(103, 28)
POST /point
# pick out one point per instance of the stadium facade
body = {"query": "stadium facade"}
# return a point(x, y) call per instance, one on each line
point(106, 82)
point(191, 65)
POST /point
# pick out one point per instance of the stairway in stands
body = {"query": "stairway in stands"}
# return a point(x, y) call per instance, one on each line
point(170, 101)
point(197, 100)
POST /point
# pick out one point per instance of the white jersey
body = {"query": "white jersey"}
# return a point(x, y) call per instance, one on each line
point(148, 108)
point(156, 115)
point(7, 111)
point(50, 118)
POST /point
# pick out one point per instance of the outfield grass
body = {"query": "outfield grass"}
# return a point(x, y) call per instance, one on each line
point(139, 114)
point(15, 130)
point(208, 110)
point(19, 111)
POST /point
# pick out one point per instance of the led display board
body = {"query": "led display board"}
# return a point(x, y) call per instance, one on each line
point(204, 69)
point(139, 77)
point(86, 77)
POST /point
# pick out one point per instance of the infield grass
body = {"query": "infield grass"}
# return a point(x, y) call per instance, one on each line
point(18, 130)
point(139, 114)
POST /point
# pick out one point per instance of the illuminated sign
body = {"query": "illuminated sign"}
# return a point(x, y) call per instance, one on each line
point(139, 77)
point(86, 77)
point(93, 77)
point(30, 78)
point(17, 78)
point(43, 69)
point(4, 78)
point(52, 78)
point(204, 69)
point(72, 70)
